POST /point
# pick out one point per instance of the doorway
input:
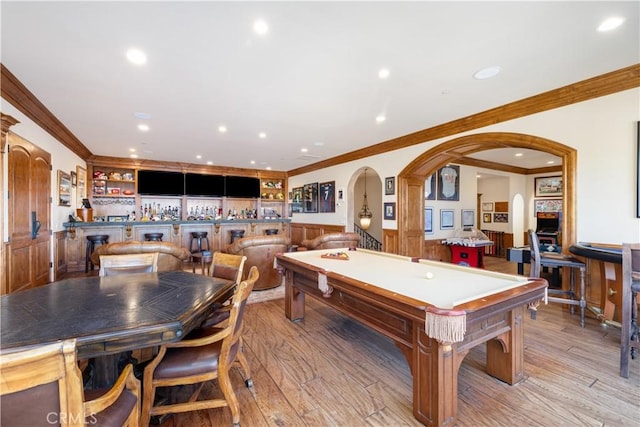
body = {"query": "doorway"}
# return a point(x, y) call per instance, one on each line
point(411, 181)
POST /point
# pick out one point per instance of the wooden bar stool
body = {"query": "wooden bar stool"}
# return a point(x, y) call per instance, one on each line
point(153, 237)
point(271, 231)
point(198, 237)
point(236, 234)
point(92, 242)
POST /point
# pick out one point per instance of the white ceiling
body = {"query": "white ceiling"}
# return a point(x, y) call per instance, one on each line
point(313, 79)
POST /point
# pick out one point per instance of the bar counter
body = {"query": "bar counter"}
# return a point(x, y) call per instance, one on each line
point(219, 233)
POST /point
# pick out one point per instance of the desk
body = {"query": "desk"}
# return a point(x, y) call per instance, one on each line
point(393, 295)
point(110, 315)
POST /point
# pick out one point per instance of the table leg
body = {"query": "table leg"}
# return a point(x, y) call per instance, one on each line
point(505, 353)
point(105, 371)
point(521, 268)
point(293, 299)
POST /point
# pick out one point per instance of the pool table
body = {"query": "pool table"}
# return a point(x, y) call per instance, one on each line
point(434, 312)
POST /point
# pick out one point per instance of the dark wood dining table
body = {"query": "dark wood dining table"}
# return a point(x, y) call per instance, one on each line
point(110, 315)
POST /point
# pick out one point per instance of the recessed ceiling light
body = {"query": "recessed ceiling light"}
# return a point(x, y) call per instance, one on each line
point(304, 150)
point(133, 156)
point(318, 143)
point(519, 154)
point(610, 23)
point(209, 162)
point(222, 128)
point(198, 156)
point(253, 162)
point(133, 150)
point(383, 73)
point(260, 27)
point(268, 168)
point(550, 162)
point(381, 118)
point(487, 73)
point(136, 56)
point(142, 116)
point(143, 127)
point(262, 135)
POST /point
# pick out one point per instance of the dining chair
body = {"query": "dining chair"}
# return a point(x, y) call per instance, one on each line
point(111, 265)
point(555, 260)
point(43, 386)
point(229, 267)
point(202, 356)
point(630, 333)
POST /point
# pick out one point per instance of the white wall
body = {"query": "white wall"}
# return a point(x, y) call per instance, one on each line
point(603, 130)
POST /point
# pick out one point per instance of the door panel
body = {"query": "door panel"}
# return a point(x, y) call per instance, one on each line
point(29, 173)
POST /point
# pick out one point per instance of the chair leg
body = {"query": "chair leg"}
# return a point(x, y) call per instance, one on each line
point(245, 367)
point(229, 395)
point(148, 396)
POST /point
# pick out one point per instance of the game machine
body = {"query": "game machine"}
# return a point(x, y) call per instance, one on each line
point(548, 230)
point(467, 247)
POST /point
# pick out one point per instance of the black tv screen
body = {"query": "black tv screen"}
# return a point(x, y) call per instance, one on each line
point(203, 185)
point(160, 183)
point(242, 186)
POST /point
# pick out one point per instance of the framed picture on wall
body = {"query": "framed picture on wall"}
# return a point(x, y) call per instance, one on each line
point(81, 182)
point(390, 210)
point(501, 217)
point(390, 186)
point(310, 197)
point(487, 207)
point(428, 220)
point(327, 197)
point(64, 188)
point(430, 187)
point(446, 219)
point(468, 216)
point(449, 183)
point(548, 186)
point(486, 217)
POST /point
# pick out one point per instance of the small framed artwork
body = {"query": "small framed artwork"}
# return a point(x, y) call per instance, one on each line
point(548, 186)
point(487, 207)
point(446, 219)
point(501, 217)
point(296, 199)
point(390, 210)
point(310, 195)
point(430, 187)
point(64, 188)
point(327, 196)
point(74, 181)
point(390, 186)
point(81, 182)
point(468, 217)
point(449, 183)
point(548, 205)
point(501, 206)
point(486, 217)
point(428, 220)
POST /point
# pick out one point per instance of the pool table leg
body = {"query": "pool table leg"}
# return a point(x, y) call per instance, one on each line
point(293, 299)
point(505, 353)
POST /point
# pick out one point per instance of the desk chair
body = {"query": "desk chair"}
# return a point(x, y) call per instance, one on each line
point(43, 386)
point(204, 355)
point(110, 265)
point(554, 260)
point(629, 336)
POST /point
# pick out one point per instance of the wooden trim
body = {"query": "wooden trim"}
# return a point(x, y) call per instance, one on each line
point(302, 231)
point(605, 84)
point(390, 240)
point(59, 254)
point(468, 161)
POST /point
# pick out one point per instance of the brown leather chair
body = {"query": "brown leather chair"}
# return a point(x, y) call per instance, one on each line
point(260, 252)
point(170, 255)
point(43, 386)
point(332, 241)
point(204, 355)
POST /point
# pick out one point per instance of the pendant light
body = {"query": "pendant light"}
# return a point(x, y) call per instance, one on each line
point(365, 214)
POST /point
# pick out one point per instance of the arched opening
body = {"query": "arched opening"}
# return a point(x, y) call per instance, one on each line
point(411, 181)
point(374, 194)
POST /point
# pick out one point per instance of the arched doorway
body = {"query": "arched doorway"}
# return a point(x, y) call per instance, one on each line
point(411, 181)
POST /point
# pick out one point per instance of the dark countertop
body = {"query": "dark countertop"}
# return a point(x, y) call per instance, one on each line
point(216, 221)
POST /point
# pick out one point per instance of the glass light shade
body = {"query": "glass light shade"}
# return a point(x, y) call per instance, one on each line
point(365, 221)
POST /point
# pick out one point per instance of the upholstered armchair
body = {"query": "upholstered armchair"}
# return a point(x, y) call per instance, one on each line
point(170, 255)
point(332, 240)
point(261, 251)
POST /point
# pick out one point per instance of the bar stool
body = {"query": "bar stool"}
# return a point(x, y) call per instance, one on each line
point(153, 237)
point(236, 234)
point(92, 241)
point(271, 231)
point(198, 237)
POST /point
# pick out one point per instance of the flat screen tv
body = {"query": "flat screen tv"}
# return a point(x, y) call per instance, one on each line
point(160, 183)
point(242, 186)
point(203, 185)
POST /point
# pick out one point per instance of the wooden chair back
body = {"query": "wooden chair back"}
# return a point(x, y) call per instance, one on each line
point(534, 246)
point(42, 386)
point(111, 265)
point(228, 266)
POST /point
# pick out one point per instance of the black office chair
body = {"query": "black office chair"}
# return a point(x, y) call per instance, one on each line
point(630, 333)
point(555, 260)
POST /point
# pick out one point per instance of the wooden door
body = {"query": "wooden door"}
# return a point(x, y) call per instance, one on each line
point(29, 253)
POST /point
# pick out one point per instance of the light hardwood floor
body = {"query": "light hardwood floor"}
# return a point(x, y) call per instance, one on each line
point(331, 371)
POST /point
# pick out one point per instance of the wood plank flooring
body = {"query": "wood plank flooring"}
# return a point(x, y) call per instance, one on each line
point(331, 371)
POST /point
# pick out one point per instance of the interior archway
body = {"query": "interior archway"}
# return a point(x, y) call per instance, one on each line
point(411, 181)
